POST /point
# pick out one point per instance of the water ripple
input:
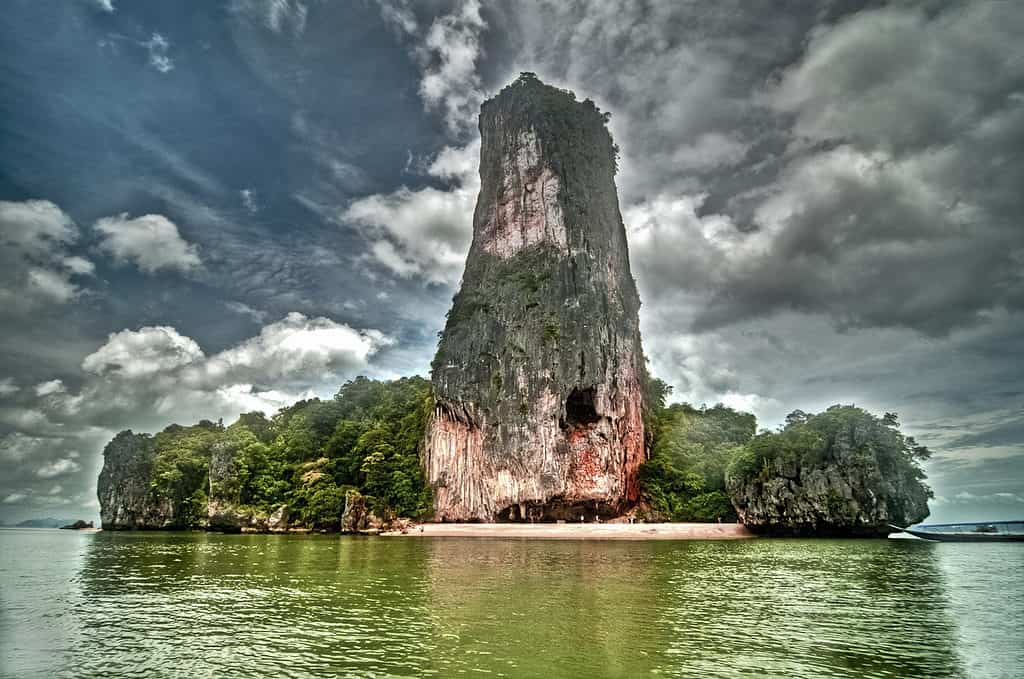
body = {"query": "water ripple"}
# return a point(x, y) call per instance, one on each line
point(198, 605)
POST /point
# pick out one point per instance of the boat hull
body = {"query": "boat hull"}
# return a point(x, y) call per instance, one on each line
point(964, 537)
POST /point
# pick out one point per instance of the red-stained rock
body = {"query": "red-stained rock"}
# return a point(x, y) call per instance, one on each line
point(538, 376)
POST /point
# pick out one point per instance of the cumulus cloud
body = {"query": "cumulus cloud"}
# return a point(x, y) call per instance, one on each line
point(151, 242)
point(156, 364)
point(57, 468)
point(35, 226)
point(50, 387)
point(425, 232)
point(52, 285)
point(143, 352)
point(35, 267)
point(295, 350)
point(78, 265)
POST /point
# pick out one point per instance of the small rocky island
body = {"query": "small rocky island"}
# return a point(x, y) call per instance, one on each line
point(540, 407)
point(80, 524)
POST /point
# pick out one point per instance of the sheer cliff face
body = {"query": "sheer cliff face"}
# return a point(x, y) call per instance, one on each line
point(123, 486)
point(539, 370)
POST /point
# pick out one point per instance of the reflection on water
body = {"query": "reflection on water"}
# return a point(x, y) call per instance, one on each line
point(192, 604)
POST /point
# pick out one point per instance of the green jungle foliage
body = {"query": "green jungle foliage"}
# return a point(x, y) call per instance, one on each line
point(307, 456)
point(181, 468)
point(684, 479)
point(847, 435)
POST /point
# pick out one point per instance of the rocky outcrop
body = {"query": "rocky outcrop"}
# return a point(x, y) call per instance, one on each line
point(357, 518)
point(539, 372)
point(848, 489)
point(277, 522)
point(78, 525)
point(222, 510)
point(123, 485)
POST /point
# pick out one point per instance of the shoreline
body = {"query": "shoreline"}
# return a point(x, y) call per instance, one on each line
point(581, 531)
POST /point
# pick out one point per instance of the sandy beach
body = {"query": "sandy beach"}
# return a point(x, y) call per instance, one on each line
point(583, 531)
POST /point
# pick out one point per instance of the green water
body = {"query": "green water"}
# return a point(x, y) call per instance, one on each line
point(207, 605)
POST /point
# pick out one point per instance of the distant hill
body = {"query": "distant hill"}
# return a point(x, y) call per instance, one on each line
point(43, 523)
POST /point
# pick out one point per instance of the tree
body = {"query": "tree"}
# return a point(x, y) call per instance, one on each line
point(684, 480)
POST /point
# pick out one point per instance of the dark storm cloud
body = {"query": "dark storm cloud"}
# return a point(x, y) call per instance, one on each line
point(1007, 433)
point(920, 204)
point(866, 163)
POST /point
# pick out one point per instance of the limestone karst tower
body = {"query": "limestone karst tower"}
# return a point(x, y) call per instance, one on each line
point(538, 375)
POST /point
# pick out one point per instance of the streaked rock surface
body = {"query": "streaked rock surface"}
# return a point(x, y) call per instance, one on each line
point(539, 372)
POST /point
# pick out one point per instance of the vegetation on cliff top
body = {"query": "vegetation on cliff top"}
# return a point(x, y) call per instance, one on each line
point(568, 128)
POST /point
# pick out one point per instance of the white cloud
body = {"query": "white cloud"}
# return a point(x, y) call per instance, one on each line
point(35, 226)
point(143, 352)
point(295, 350)
point(8, 387)
point(173, 372)
point(34, 265)
point(424, 233)
point(969, 498)
point(51, 285)
point(60, 467)
point(48, 388)
point(152, 242)
point(158, 46)
point(105, 5)
point(78, 266)
point(449, 55)
point(14, 498)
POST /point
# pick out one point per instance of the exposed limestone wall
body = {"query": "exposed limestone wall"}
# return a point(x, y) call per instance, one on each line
point(123, 485)
point(538, 376)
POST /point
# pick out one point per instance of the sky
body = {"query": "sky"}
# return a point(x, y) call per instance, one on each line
point(211, 208)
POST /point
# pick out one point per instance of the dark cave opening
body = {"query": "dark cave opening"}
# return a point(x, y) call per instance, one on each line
point(579, 408)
